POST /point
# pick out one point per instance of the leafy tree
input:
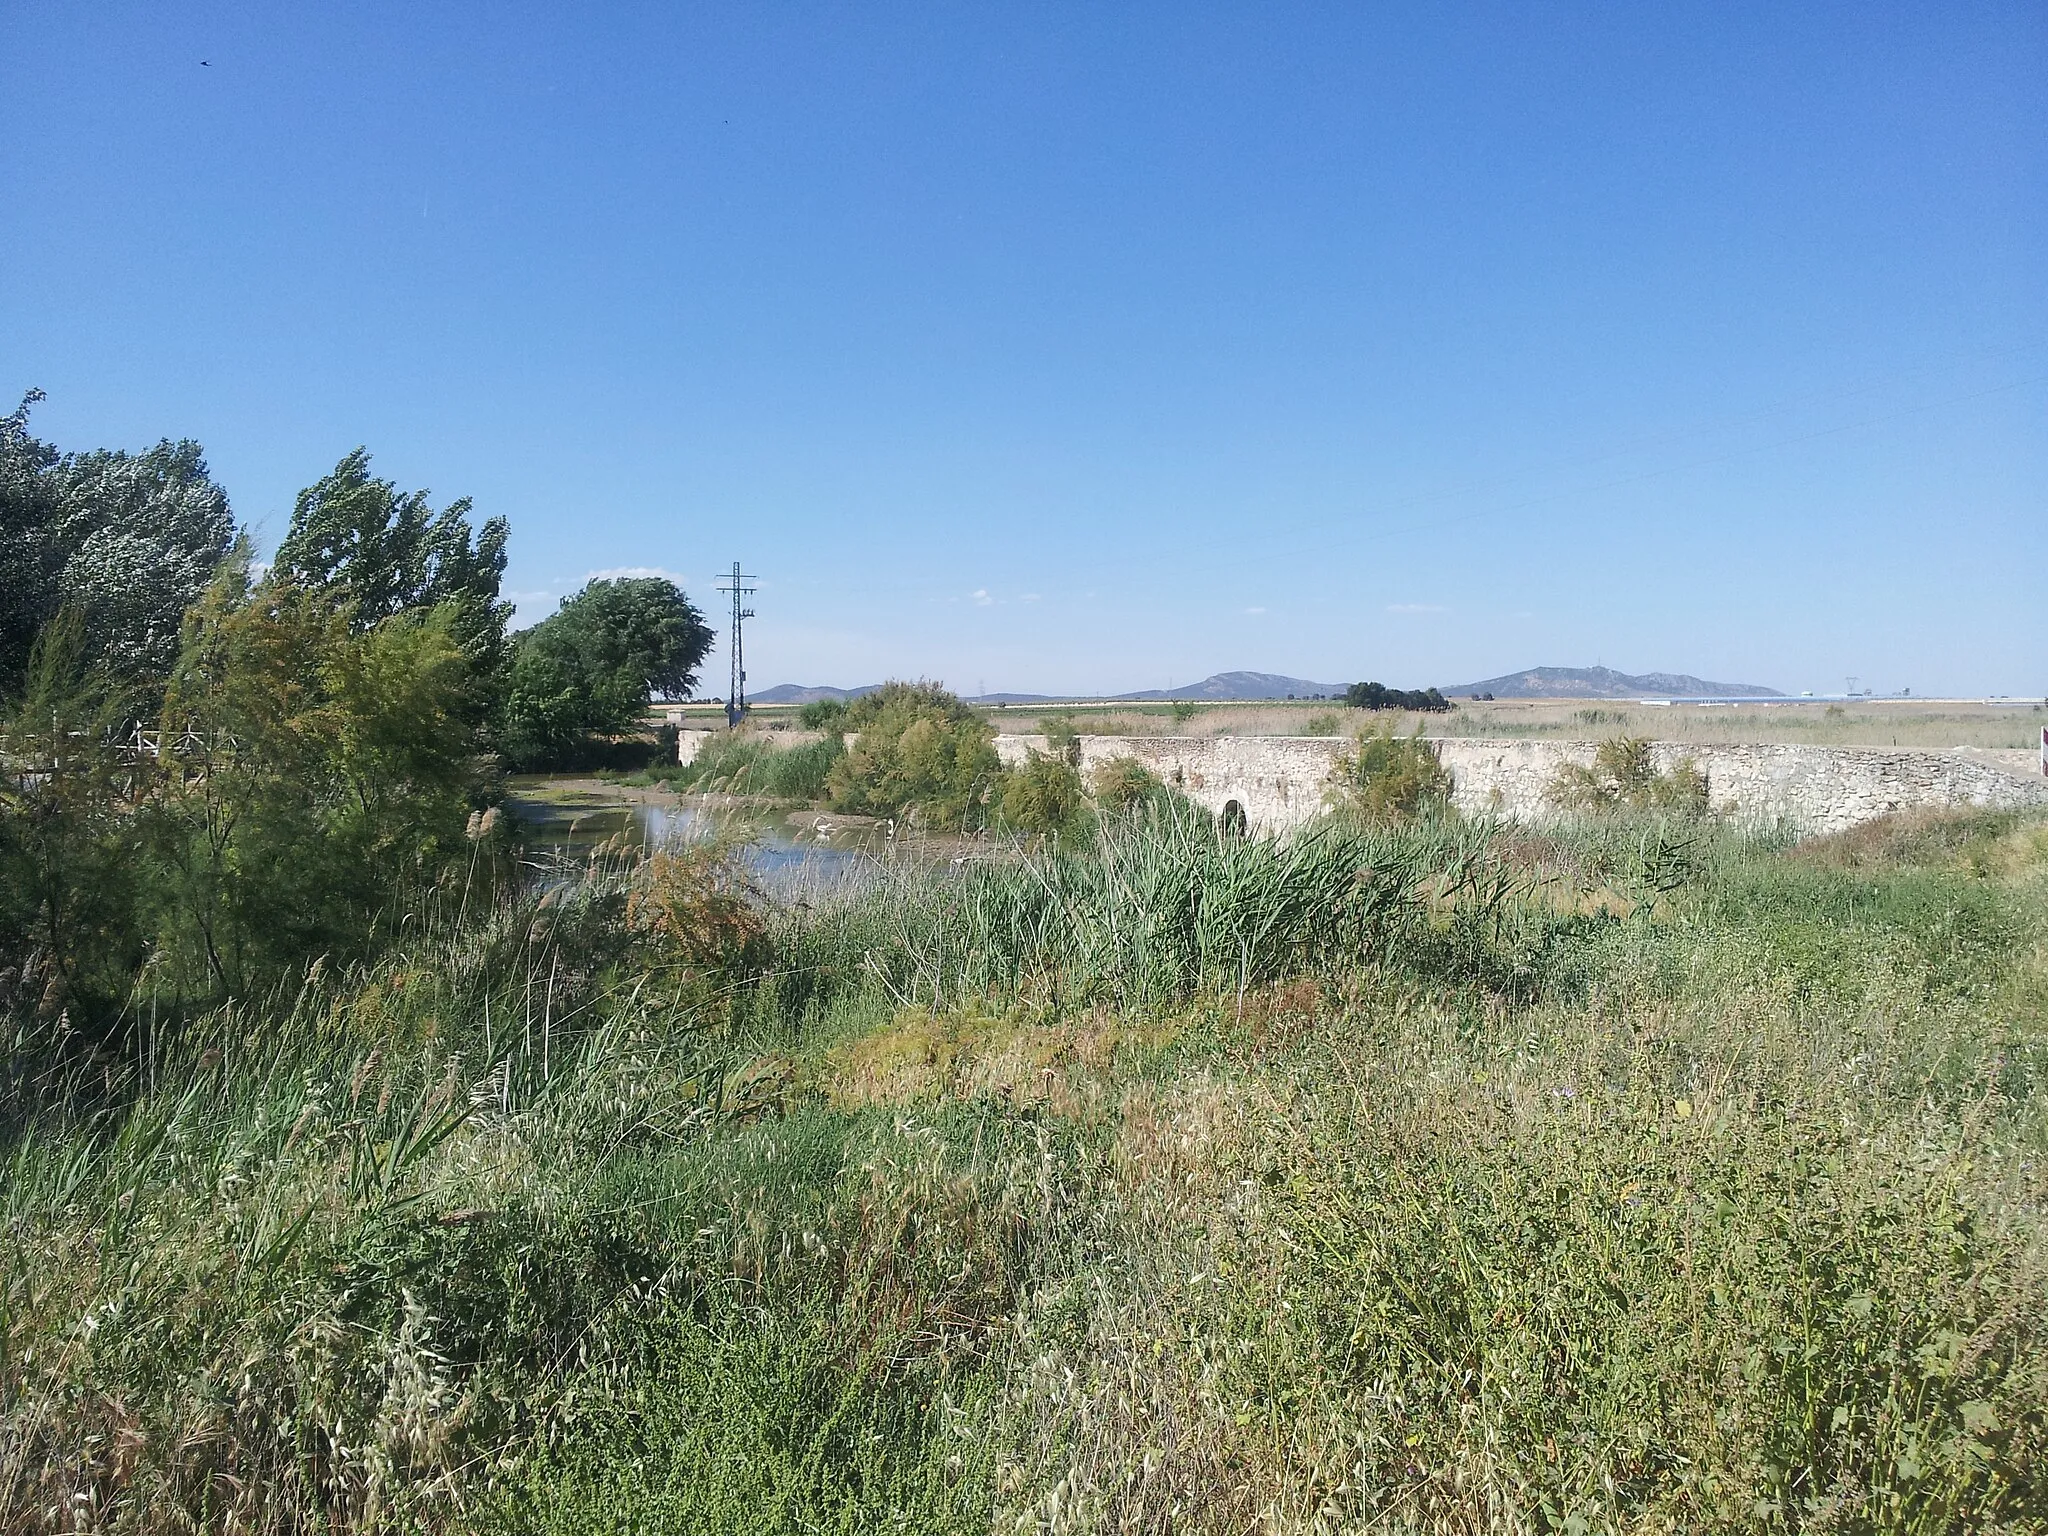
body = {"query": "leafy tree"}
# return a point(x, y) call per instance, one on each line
point(1377, 696)
point(592, 665)
point(129, 540)
point(70, 930)
point(919, 750)
point(390, 552)
point(335, 769)
point(30, 555)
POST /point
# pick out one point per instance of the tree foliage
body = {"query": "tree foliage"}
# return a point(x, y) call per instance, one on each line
point(128, 540)
point(340, 768)
point(68, 897)
point(592, 666)
point(1376, 696)
point(388, 552)
point(919, 750)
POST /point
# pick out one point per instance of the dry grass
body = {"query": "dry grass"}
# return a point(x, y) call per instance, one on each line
point(1862, 723)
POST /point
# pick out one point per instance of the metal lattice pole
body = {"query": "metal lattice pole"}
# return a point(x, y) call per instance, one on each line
point(738, 583)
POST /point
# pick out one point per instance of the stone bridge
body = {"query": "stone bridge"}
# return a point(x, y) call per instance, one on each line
point(1279, 782)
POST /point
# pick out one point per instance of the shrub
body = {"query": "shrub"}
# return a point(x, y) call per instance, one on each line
point(920, 751)
point(698, 906)
point(746, 763)
point(1321, 725)
point(1124, 782)
point(1063, 739)
point(822, 714)
point(1624, 775)
point(1045, 795)
point(1391, 778)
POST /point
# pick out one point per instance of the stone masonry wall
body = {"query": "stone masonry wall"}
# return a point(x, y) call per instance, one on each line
point(1278, 781)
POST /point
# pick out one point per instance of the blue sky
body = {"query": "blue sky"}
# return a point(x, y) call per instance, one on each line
point(1099, 347)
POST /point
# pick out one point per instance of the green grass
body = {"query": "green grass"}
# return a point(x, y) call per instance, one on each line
point(749, 763)
point(1637, 1175)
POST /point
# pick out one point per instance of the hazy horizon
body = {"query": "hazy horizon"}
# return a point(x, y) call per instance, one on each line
point(1087, 351)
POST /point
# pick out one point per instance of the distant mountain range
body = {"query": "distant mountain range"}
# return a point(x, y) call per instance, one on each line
point(1242, 685)
point(1223, 687)
point(1227, 687)
point(799, 693)
point(1606, 683)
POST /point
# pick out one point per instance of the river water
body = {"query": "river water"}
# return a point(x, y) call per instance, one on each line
point(575, 818)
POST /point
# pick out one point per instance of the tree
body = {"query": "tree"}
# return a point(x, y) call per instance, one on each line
point(591, 667)
point(390, 553)
point(128, 540)
point(919, 749)
point(30, 557)
point(70, 933)
point(335, 770)
point(1380, 696)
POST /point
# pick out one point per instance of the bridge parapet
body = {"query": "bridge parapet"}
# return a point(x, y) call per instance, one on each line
point(1279, 783)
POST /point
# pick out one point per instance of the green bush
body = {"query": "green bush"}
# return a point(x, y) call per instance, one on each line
point(1390, 778)
point(1043, 796)
point(1123, 783)
point(1624, 775)
point(919, 753)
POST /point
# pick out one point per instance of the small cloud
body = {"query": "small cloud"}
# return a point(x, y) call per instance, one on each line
point(619, 572)
point(1417, 608)
point(981, 597)
point(1255, 610)
point(1028, 597)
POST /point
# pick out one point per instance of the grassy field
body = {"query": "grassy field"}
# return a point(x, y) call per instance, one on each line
point(1856, 723)
point(1631, 1177)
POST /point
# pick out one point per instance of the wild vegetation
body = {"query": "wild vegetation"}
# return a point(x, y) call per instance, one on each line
point(1410, 1174)
point(1624, 774)
point(365, 1171)
point(1388, 777)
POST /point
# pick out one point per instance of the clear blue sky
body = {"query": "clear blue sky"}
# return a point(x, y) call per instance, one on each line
point(1097, 347)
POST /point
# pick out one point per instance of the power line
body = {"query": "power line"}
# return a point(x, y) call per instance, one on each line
point(737, 582)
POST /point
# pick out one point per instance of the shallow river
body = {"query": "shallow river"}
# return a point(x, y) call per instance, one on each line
point(578, 816)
